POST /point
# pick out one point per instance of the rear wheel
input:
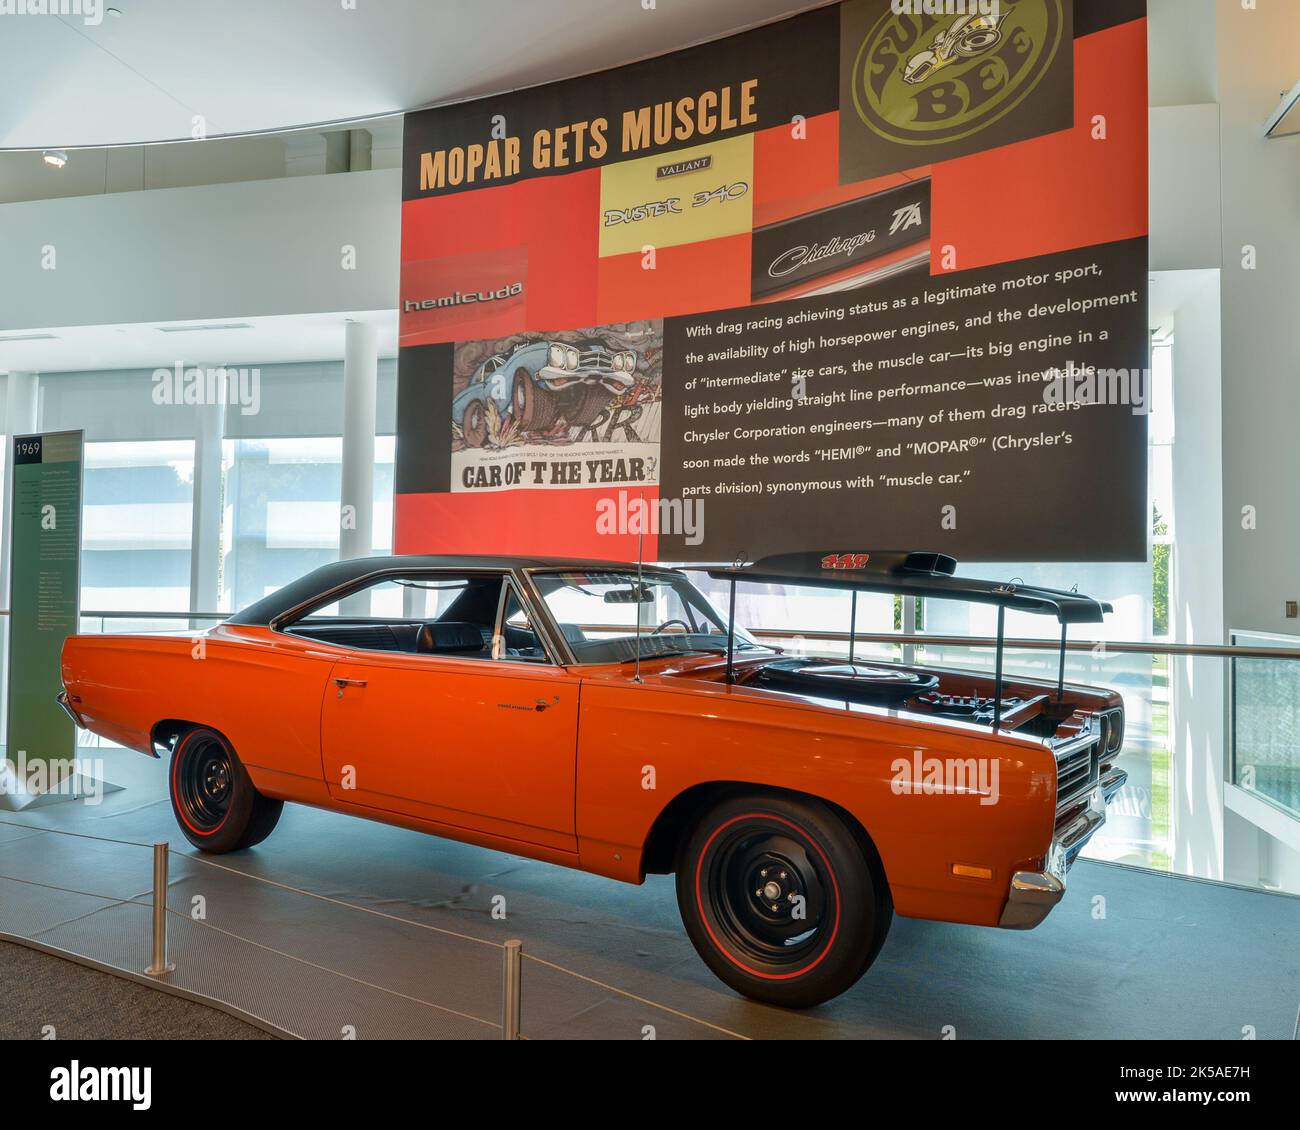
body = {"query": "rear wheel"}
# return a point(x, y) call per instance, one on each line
point(213, 797)
point(781, 899)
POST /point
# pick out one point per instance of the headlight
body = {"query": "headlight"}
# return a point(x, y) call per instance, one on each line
point(555, 355)
point(625, 362)
point(617, 362)
point(571, 355)
point(1115, 738)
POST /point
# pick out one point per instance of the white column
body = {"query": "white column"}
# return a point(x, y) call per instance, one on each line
point(360, 375)
point(20, 419)
point(205, 530)
point(1197, 687)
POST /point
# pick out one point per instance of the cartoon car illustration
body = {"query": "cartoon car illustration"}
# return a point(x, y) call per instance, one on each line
point(515, 702)
point(469, 406)
point(543, 382)
point(964, 38)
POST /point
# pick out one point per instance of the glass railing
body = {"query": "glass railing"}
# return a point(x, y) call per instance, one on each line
point(1264, 723)
point(127, 622)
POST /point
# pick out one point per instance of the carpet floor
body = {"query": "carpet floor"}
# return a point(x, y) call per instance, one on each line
point(42, 992)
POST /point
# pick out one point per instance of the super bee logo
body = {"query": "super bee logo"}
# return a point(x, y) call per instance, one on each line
point(925, 79)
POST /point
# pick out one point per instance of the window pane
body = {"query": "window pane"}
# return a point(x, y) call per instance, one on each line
point(137, 524)
point(281, 515)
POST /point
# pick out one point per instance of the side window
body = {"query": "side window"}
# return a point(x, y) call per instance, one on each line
point(519, 638)
point(447, 614)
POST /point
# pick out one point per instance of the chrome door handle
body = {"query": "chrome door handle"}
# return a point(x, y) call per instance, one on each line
point(542, 704)
point(341, 683)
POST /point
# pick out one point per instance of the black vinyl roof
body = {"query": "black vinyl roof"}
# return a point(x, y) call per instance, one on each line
point(339, 574)
point(894, 571)
point(913, 574)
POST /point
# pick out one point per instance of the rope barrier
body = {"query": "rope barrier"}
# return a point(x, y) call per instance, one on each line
point(134, 900)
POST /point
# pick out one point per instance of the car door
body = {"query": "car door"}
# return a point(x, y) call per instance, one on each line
point(482, 743)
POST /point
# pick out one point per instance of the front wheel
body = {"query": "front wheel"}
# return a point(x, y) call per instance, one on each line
point(781, 899)
point(213, 797)
point(535, 408)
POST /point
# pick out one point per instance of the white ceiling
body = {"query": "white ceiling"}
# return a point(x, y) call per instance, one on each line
point(270, 340)
point(250, 65)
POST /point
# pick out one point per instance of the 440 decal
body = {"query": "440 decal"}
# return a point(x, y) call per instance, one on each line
point(846, 560)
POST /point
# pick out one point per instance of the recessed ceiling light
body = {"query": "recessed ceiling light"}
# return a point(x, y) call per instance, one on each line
point(55, 158)
point(201, 329)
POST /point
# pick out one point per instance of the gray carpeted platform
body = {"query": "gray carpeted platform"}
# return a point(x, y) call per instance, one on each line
point(1159, 958)
point(47, 997)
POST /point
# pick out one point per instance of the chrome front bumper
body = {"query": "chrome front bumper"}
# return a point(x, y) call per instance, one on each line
point(1032, 894)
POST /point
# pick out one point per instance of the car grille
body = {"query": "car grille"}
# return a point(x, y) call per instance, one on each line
point(1078, 765)
point(601, 362)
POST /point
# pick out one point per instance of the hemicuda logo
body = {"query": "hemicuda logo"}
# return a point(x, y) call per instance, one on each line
point(76, 1083)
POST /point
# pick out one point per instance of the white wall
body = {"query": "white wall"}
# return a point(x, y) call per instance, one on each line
point(1181, 52)
point(221, 251)
point(1184, 153)
point(1258, 59)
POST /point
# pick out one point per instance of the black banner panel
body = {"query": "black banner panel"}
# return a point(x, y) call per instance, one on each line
point(872, 275)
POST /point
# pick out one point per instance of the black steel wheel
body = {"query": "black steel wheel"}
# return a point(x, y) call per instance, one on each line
point(213, 797)
point(782, 899)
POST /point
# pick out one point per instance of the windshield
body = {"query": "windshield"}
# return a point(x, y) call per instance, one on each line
point(598, 613)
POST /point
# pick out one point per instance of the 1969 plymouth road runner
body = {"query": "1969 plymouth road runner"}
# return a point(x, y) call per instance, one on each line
point(606, 717)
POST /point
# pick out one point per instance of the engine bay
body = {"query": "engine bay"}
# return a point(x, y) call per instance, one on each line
point(961, 696)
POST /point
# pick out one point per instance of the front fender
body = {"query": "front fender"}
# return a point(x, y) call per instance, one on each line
point(642, 745)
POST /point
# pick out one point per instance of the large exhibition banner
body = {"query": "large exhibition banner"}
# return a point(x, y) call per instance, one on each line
point(873, 275)
point(44, 595)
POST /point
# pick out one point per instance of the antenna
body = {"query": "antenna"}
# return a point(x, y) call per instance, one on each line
point(640, 540)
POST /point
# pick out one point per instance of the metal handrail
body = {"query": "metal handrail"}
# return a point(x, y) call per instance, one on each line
point(119, 615)
point(1126, 647)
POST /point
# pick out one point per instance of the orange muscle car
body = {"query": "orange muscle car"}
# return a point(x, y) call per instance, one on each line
point(606, 717)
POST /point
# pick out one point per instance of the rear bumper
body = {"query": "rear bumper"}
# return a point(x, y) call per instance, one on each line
point(62, 699)
point(1032, 894)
